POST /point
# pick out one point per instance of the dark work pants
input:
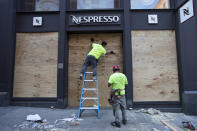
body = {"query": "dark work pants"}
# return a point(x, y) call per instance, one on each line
point(90, 61)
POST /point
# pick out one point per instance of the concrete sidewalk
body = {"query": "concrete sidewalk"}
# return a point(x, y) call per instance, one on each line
point(12, 117)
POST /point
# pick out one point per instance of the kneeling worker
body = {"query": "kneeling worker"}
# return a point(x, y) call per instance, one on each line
point(118, 81)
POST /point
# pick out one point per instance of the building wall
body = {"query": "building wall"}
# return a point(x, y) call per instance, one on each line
point(187, 32)
point(7, 33)
point(178, 3)
point(56, 21)
point(4, 49)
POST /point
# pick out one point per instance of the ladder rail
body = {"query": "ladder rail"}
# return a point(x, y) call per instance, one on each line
point(98, 113)
point(83, 98)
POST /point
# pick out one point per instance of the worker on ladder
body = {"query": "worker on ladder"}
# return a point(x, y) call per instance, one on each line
point(118, 81)
point(93, 56)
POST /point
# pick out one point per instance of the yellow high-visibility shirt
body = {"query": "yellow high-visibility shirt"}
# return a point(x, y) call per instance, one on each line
point(97, 50)
point(118, 81)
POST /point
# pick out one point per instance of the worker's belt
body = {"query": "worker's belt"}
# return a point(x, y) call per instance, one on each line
point(113, 96)
point(119, 96)
point(118, 91)
point(92, 56)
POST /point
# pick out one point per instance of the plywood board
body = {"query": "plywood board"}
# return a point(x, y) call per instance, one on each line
point(155, 75)
point(78, 47)
point(36, 65)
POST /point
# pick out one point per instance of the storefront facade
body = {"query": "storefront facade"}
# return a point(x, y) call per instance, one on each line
point(44, 44)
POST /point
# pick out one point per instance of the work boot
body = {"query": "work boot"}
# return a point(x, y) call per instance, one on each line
point(116, 124)
point(81, 76)
point(94, 78)
point(124, 122)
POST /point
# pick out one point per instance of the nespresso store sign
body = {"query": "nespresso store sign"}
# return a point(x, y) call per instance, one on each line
point(94, 20)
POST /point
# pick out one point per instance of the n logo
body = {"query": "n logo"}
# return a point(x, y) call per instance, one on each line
point(153, 19)
point(186, 11)
point(37, 21)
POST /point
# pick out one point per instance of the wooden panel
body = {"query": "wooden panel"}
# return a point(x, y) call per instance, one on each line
point(36, 65)
point(78, 47)
point(155, 76)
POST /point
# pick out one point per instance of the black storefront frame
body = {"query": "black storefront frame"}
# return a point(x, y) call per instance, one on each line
point(63, 30)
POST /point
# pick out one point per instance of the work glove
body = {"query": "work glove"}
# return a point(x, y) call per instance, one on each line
point(110, 101)
point(112, 52)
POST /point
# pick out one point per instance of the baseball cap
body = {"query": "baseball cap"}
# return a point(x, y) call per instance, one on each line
point(116, 67)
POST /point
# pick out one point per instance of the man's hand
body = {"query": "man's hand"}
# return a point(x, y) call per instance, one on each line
point(112, 52)
point(91, 42)
point(109, 84)
point(110, 101)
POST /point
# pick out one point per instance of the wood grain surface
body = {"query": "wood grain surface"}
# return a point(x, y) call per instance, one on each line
point(36, 65)
point(155, 75)
point(78, 47)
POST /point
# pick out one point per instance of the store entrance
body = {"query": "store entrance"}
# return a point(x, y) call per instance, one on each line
point(78, 47)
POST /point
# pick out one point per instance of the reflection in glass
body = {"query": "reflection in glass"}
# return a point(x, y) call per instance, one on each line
point(94, 4)
point(38, 5)
point(47, 5)
point(149, 4)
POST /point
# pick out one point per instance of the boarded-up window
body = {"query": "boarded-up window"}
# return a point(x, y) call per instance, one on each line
point(155, 75)
point(36, 65)
point(78, 47)
point(150, 4)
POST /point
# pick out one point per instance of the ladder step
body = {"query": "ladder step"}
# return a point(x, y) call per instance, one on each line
point(90, 80)
point(88, 72)
point(90, 98)
point(89, 108)
point(90, 89)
